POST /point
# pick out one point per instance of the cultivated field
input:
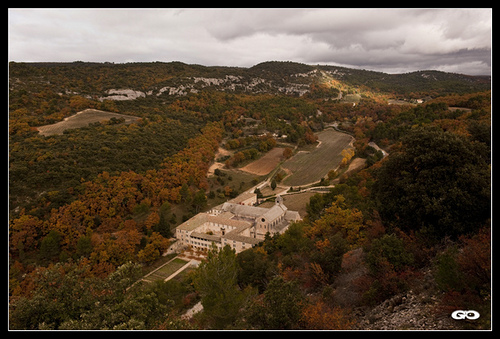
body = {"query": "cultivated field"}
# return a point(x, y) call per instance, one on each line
point(266, 164)
point(309, 167)
point(82, 119)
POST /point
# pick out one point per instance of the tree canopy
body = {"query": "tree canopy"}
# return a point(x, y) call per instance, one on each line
point(439, 183)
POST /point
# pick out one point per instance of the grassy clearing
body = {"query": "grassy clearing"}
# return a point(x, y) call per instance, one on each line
point(237, 180)
point(166, 270)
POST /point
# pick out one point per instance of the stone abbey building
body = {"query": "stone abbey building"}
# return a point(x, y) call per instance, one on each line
point(235, 224)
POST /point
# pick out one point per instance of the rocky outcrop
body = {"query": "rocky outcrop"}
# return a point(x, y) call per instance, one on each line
point(122, 94)
point(231, 83)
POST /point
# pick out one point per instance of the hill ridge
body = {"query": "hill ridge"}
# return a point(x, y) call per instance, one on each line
point(271, 77)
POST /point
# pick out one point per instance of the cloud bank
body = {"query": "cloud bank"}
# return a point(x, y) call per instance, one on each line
point(388, 40)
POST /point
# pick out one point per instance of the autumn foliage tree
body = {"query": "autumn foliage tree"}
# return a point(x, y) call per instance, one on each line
point(24, 233)
point(154, 248)
point(319, 316)
point(103, 209)
point(287, 153)
point(338, 218)
point(347, 155)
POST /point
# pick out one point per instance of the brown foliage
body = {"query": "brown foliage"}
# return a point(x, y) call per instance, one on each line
point(102, 209)
point(318, 316)
point(475, 259)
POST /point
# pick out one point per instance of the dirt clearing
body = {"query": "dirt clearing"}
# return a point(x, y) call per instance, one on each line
point(221, 152)
point(82, 119)
point(266, 164)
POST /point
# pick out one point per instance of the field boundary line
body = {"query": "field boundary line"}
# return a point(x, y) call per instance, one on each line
point(153, 271)
point(179, 270)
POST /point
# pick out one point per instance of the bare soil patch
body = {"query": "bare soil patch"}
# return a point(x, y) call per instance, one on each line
point(355, 164)
point(221, 152)
point(266, 164)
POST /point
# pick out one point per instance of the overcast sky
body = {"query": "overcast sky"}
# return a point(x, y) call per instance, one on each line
point(388, 40)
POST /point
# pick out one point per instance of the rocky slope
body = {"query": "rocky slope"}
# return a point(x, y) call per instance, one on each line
point(412, 310)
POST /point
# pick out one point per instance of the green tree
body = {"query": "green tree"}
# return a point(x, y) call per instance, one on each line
point(185, 193)
point(315, 206)
point(69, 297)
point(293, 240)
point(216, 281)
point(255, 268)
point(84, 246)
point(163, 226)
point(50, 245)
point(391, 249)
point(329, 256)
point(439, 184)
point(447, 271)
point(282, 305)
point(199, 201)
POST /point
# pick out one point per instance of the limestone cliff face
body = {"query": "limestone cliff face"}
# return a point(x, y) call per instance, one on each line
point(122, 94)
point(231, 83)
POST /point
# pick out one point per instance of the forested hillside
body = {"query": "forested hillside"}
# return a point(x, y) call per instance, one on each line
point(92, 208)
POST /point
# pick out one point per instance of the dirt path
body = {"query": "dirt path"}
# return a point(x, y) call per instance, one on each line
point(192, 311)
point(374, 145)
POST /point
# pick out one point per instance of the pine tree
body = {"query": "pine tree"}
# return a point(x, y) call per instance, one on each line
point(216, 281)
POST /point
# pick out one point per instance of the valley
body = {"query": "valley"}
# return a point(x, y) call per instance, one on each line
point(106, 160)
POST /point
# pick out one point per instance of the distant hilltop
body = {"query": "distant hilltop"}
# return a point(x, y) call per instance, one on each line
point(173, 79)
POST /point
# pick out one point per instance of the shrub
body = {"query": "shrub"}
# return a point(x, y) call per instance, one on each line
point(447, 272)
point(388, 249)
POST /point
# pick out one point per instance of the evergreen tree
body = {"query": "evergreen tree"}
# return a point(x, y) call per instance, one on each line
point(199, 201)
point(216, 281)
point(281, 308)
point(439, 184)
point(163, 226)
point(50, 246)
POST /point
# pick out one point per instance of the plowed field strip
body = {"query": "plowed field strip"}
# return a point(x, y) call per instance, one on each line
point(265, 164)
point(309, 167)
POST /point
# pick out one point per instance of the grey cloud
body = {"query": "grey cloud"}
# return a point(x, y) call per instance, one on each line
point(379, 39)
point(416, 39)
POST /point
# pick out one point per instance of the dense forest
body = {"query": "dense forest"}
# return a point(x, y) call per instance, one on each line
point(92, 208)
